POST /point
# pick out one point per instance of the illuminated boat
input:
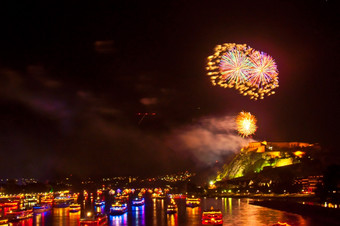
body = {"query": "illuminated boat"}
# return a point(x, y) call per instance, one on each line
point(212, 217)
point(193, 202)
point(122, 198)
point(31, 199)
point(138, 202)
point(20, 214)
point(178, 196)
point(118, 208)
point(8, 203)
point(74, 208)
point(90, 219)
point(172, 207)
point(40, 208)
point(3, 221)
point(46, 200)
point(99, 202)
point(158, 196)
point(62, 202)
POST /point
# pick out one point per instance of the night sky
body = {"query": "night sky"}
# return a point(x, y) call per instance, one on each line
point(74, 76)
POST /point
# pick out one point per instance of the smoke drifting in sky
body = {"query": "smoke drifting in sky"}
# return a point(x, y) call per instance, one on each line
point(72, 83)
point(209, 139)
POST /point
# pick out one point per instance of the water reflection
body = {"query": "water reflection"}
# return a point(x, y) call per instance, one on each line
point(230, 206)
point(158, 212)
point(172, 219)
point(193, 215)
point(74, 218)
point(60, 216)
point(99, 209)
point(40, 218)
point(235, 212)
point(138, 215)
point(246, 214)
point(118, 220)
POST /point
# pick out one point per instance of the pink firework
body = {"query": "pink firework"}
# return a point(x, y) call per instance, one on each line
point(264, 69)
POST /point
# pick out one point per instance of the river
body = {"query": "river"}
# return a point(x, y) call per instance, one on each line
point(235, 212)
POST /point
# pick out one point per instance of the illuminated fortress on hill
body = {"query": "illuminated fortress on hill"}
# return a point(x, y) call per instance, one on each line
point(257, 156)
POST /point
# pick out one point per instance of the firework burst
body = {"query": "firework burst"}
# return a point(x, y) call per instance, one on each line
point(251, 72)
point(246, 124)
point(234, 67)
point(264, 70)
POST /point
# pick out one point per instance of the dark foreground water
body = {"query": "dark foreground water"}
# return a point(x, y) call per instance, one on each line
point(235, 212)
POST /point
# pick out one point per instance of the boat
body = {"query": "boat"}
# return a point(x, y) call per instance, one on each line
point(118, 208)
point(62, 202)
point(93, 219)
point(74, 208)
point(212, 217)
point(122, 198)
point(138, 202)
point(40, 208)
point(172, 207)
point(178, 196)
point(46, 200)
point(192, 202)
point(158, 196)
point(3, 221)
point(8, 203)
point(99, 202)
point(20, 214)
point(31, 199)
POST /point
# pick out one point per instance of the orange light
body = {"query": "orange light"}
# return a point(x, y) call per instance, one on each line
point(299, 153)
point(283, 223)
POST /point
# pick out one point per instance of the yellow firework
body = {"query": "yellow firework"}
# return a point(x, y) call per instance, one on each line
point(246, 124)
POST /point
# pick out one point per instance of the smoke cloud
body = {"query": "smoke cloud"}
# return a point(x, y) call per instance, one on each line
point(149, 101)
point(209, 139)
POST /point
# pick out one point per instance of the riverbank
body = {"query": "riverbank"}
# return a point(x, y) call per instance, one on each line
point(260, 196)
point(330, 216)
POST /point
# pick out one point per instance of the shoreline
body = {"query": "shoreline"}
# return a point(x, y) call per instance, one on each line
point(327, 215)
point(293, 197)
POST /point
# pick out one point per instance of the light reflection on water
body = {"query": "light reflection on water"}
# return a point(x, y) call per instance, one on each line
point(138, 215)
point(240, 212)
point(172, 219)
point(27, 222)
point(40, 218)
point(119, 220)
point(235, 212)
point(62, 216)
point(193, 215)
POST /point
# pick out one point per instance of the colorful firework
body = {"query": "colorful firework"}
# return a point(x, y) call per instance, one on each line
point(234, 67)
point(246, 124)
point(264, 69)
point(251, 72)
point(229, 65)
